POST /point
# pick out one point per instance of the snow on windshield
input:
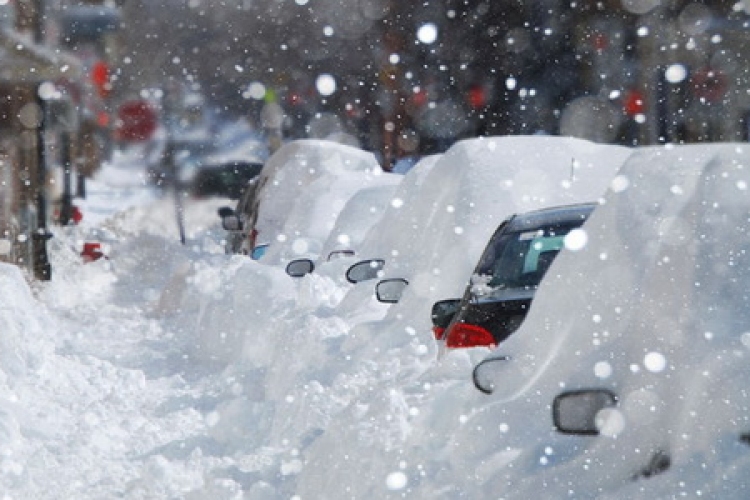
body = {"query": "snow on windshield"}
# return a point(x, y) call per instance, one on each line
point(176, 371)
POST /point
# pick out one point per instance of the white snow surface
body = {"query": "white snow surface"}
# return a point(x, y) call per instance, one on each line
point(301, 191)
point(171, 371)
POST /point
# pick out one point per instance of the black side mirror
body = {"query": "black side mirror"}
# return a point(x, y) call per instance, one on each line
point(365, 270)
point(443, 312)
point(578, 412)
point(487, 372)
point(225, 211)
point(389, 291)
point(300, 267)
point(231, 223)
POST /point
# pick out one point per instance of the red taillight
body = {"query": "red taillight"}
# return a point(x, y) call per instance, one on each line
point(438, 332)
point(464, 335)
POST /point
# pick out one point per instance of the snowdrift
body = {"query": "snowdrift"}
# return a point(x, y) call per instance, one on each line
point(175, 371)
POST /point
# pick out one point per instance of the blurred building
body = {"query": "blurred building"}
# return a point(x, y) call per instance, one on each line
point(635, 72)
point(413, 77)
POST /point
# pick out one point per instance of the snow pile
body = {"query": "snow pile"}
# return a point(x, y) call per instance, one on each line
point(663, 326)
point(23, 350)
point(171, 371)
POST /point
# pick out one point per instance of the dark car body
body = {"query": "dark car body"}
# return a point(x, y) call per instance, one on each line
point(228, 179)
point(178, 158)
point(502, 287)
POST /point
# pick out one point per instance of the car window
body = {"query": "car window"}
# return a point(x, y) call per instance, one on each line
point(520, 259)
point(541, 252)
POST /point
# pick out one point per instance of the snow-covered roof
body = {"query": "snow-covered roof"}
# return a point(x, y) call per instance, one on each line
point(304, 170)
point(361, 211)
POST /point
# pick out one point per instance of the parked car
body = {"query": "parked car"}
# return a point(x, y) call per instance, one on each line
point(320, 192)
point(301, 191)
point(179, 160)
point(227, 179)
point(503, 284)
point(629, 377)
point(361, 211)
point(451, 205)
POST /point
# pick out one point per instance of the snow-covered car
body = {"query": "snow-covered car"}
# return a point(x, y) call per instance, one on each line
point(501, 289)
point(313, 215)
point(468, 191)
point(360, 213)
point(297, 207)
point(633, 363)
point(435, 231)
point(301, 191)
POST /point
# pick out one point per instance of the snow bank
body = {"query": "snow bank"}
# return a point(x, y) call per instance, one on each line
point(21, 321)
point(198, 375)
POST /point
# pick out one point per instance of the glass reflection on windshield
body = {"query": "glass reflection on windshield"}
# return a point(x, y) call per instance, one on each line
point(519, 259)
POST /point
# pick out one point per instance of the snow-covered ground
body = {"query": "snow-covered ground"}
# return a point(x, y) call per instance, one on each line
point(171, 371)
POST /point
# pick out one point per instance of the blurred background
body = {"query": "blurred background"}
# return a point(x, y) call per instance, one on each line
point(187, 84)
point(410, 78)
point(406, 79)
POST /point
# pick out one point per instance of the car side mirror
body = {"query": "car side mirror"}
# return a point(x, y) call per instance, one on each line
point(488, 372)
point(443, 312)
point(258, 252)
point(579, 412)
point(300, 267)
point(339, 254)
point(225, 211)
point(365, 270)
point(231, 223)
point(389, 291)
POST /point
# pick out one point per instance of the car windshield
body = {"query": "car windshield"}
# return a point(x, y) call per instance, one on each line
point(520, 259)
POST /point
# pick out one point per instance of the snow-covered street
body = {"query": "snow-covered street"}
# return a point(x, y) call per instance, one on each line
point(97, 382)
point(171, 371)
point(374, 249)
